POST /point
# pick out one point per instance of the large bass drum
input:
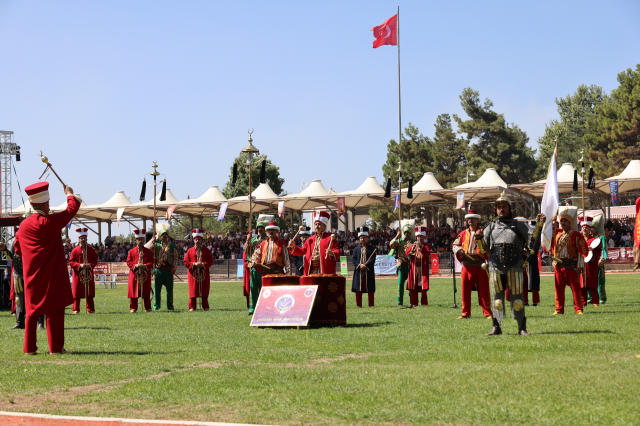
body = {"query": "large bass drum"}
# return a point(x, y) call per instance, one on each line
point(330, 306)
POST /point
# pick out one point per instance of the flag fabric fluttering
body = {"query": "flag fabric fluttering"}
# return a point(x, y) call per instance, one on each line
point(550, 200)
point(387, 33)
point(397, 203)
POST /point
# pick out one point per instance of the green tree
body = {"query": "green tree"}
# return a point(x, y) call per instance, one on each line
point(574, 110)
point(449, 157)
point(415, 152)
point(499, 145)
point(381, 217)
point(615, 137)
point(272, 174)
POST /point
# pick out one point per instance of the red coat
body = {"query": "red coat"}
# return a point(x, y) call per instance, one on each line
point(418, 280)
point(592, 267)
point(75, 260)
point(328, 265)
point(132, 260)
point(246, 276)
point(189, 259)
point(46, 277)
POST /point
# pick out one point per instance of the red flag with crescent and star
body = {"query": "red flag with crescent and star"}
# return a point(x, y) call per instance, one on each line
point(435, 264)
point(387, 33)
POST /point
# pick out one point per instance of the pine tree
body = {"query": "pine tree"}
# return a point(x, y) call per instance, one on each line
point(615, 137)
point(499, 145)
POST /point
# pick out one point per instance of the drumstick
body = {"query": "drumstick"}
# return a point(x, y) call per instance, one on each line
point(326, 256)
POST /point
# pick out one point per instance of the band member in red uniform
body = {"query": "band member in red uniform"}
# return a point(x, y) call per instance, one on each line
point(473, 276)
point(589, 279)
point(568, 248)
point(419, 260)
point(140, 263)
point(198, 260)
point(321, 250)
point(47, 286)
point(82, 260)
point(272, 255)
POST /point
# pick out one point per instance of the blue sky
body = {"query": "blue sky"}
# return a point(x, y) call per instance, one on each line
point(106, 87)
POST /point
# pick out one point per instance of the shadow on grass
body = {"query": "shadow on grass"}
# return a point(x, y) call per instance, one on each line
point(578, 332)
point(89, 328)
point(366, 325)
point(124, 352)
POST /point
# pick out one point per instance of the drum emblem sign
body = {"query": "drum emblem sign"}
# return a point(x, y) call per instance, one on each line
point(284, 303)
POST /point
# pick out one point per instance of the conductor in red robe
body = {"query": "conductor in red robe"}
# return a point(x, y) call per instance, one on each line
point(321, 250)
point(82, 260)
point(198, 260)
point(46, 278)
point(419, 260)
point(139, 267)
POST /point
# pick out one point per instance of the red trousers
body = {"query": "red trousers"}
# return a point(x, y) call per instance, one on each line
point(359, 298)
point(55, 332)
point(193, 303)
point(595, 298)
point(474, 275)
point(77, 301)
point(248, 301)
point(413, 297)
point(13, 306)
point(525, 296)
point(590, 282)
point(563, 278)
point(133, 303)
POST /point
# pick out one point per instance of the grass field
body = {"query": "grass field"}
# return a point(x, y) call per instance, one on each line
point(388, 366)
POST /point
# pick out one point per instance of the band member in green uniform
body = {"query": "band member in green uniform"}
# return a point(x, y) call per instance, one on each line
point(399, 246)
point(256, 276)
point(166, 254)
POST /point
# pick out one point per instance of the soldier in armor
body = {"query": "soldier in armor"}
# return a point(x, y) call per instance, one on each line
point(504, 240)
point(399, 246)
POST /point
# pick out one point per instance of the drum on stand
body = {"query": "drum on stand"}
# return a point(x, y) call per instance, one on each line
point(330, 306)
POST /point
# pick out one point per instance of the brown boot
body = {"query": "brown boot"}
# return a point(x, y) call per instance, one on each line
point(523, 328)
point(496, 330)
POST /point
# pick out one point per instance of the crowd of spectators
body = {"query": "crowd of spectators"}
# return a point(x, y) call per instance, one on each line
point(439, 239)
point(619, 233)
point(231, 245)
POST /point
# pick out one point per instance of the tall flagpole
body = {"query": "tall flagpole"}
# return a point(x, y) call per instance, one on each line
point(399, 109)
point(399, 120)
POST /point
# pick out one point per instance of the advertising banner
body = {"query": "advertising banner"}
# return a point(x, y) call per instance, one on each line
point(385, 265)
point(344, 266)
point(240, 273)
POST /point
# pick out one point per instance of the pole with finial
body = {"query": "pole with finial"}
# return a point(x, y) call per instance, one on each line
point(582, 160)
point(250, 151)
point(400, 171)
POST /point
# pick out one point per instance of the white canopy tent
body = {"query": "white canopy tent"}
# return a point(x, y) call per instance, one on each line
point(370, 192)
point(489, 185)
point(628, 180)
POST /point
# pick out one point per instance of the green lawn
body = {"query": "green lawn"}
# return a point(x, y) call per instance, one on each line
point(388, 366)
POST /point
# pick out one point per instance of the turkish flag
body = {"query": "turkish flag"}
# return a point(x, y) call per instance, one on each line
point(386, 33)
point(435, 264)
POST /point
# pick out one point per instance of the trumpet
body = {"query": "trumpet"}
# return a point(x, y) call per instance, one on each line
point(198, 273)
point(140, 272)
point(85, 275)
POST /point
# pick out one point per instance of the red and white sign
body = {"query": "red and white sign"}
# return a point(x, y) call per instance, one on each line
point(435, 264)
point(101, 268)
point(285, 305)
